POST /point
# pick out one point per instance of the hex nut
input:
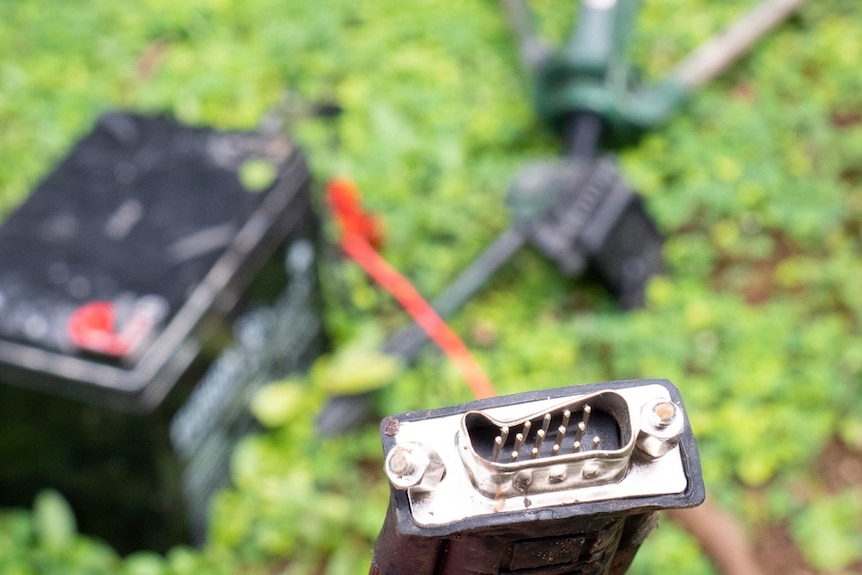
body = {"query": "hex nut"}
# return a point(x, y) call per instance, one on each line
point(413, 466)
point(662, 424)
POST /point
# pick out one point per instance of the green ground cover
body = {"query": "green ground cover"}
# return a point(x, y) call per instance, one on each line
point(758, 186)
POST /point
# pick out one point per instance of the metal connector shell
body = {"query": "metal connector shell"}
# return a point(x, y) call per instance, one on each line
point(554, 482)
point(627, 463)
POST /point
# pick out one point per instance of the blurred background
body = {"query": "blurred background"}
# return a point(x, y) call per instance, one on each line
point(757, 185)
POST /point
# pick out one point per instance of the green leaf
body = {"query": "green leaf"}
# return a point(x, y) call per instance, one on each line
point(357, 370)
point(145, 563)
point(277, 403)
point(356, 366)
point(55, 521)
point(850, 430)
point(257, 174)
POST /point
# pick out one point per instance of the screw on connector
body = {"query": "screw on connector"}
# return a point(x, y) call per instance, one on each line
point(661, 426)
point(400, 464)
point(414, 466)
point(662, 414)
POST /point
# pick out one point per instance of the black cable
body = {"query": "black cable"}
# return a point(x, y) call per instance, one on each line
point(407, 342)
point(582, 134)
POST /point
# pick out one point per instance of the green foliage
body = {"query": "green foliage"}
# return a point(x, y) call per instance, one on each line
point(55, 521)
point(301, 498)
point(257, 175)
point(829, 532)
point(357, 366)
point(757, 185)
point(670, 550)
point(278, 403)
point(44, 542)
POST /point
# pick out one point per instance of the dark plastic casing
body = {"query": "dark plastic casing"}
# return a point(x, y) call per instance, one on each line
point(142, 207)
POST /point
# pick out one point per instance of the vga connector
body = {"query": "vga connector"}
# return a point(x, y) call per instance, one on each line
point(554, 482)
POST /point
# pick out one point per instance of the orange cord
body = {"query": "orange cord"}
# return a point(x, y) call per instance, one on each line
point(360, 235)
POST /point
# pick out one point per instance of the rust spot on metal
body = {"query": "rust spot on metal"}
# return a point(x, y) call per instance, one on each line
point(665, 412)
point(391, 427)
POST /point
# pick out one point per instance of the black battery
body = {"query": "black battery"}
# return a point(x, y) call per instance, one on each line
point(149, 284)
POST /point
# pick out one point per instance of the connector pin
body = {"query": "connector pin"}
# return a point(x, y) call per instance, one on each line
point(580, 434)
point(495, 453)
point(596, 442)
point(567, 415)
point(561, 433)
point(504, 435)
point(514, 456)
point(546, 423)
point(586, 418)
point(519, 442)
point(555, 450)
point(540, 438)
point(534, 453)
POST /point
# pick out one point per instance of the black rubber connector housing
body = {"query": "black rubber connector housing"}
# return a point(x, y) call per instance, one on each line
point(590, 538)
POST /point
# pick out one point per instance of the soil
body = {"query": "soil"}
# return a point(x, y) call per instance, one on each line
point(777, 553)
